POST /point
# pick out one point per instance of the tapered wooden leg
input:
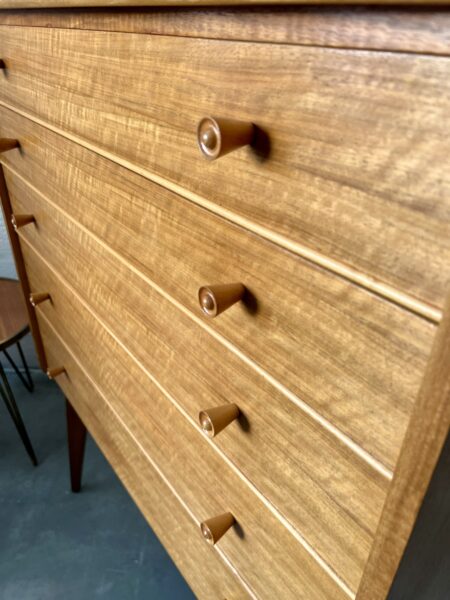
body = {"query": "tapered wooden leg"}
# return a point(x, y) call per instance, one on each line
point(76, 435)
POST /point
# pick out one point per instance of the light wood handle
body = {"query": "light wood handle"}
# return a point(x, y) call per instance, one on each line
point(8, 144)
point(213, 420)
point(38, 297)
point(213, 529)
point(217, 137)
point(54, 372)
point(19, 221)
point(214, 299)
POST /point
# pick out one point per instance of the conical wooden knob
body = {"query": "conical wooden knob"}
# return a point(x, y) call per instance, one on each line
point(19, 221)
point(213, 420)
point(54, 372)
point(214, 299)
point(217, 137)
point(37, 298)
point(8, 144)
point(213, 529)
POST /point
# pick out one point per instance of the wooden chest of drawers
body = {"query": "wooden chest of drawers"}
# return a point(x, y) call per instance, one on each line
point(335, 219)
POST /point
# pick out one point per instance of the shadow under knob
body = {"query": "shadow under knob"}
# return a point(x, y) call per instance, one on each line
point(214, 299)
point(213, 529)
point(213, 420)
point(8, 144)
point(217, 137)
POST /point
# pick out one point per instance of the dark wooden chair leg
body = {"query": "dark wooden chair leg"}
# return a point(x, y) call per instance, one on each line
point(76, 435)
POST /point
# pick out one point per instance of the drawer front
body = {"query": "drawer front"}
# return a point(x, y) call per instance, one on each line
point(329, 495)
point(204, 570)
point(326, 340)
point(260, 547)
point(347, 161)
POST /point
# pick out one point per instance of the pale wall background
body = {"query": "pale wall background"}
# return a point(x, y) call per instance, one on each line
point(6, 260)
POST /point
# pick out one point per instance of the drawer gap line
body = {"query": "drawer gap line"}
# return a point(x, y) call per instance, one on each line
point(304, 407)
point(267, 503)
point(244, 40)
point(383, 290)
point(136, 441)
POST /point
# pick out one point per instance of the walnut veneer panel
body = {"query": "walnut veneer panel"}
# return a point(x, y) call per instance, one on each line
point(425, 30)
point(265, 553)
point(425, 438)
point(331, 496)
point(13, 318)
point(132, 3)
point(20, 269)
point(203, 568)
point(357, 139)
point(342, 350)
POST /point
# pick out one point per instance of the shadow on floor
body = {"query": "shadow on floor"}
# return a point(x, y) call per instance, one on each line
point(59, 545)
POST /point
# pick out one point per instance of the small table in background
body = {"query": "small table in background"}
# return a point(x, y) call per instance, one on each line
point(13, 327)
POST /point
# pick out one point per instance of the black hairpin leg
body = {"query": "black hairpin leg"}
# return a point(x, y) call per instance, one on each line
point(27, 382)
point(8, 397)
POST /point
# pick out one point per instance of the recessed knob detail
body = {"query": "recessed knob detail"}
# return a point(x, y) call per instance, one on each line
point(19, 221)
point(8, 144)
point(38, 297)
point(214, 299)
point(217, 137)
point(55, 371)
point(213, 420)
point(213, 529)
point(2, 64)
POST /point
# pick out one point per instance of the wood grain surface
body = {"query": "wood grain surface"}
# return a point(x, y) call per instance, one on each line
point(426, 30)
point(326, 340)
point(329, 495)
point(427, 431)
point(133, 3)
point(201, 566)
point(20, 269)
point(338, 387)
point(347, 162)
point(260, 547)
point(13, 313)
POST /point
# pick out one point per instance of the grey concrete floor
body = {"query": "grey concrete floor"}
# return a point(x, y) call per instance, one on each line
point(59, 545)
